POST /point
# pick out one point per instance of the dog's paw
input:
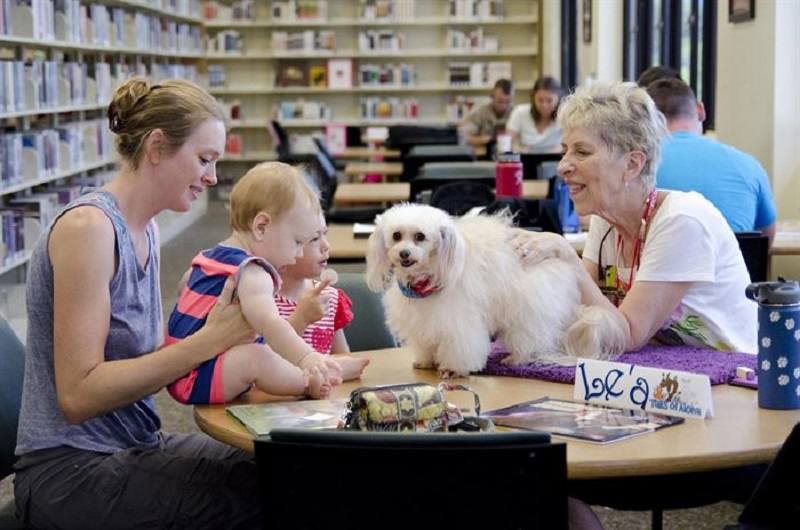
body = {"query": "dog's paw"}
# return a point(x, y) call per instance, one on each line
point(511, 358)
point(421, 365)
point(450, 374)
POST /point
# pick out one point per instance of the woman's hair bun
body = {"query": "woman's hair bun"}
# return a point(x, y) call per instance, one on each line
point(125, 98)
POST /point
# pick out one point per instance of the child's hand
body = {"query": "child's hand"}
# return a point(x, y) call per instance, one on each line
point(329, 368)
point(313, 304)
point(317, 386)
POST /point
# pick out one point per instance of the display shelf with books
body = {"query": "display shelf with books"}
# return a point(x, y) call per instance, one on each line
point(59, 64)
point(348, 54)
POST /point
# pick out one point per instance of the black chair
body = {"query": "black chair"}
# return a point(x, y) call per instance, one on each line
point(412, 480)
point(12, 370)
point(755, 250)
point(326, 175)
point(774, 503)
point(457, 198)
point(368, 329)
point(540, 215)
point(404, 137)
point(437, 174)
point(420, 155)
point(531, 162)
point(280, 139)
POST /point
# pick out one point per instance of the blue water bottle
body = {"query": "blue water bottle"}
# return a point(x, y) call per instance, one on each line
point(570, 223)
point(778, 343)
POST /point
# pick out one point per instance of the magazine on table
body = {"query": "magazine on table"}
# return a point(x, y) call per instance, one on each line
point(307, 414)
point(579, 421)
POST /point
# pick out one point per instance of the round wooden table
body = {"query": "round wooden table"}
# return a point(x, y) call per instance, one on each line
point(739, 434)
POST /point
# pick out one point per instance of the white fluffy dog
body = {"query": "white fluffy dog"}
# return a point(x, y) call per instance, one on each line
point(452, 284)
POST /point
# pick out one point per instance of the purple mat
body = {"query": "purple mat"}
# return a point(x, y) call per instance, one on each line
point(719, 366)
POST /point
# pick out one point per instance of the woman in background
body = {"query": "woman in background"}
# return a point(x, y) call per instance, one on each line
point(533, 125)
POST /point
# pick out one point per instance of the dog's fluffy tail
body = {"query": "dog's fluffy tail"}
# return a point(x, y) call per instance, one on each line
point(595, 334)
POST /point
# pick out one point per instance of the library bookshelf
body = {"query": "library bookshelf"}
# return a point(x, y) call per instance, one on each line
point(59, 63)
point(362, 62)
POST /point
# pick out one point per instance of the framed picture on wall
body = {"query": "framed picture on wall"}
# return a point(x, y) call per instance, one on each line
point(741, 10)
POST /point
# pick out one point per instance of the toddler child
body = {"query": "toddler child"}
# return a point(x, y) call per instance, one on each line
point(274, 214)
point(316, 310)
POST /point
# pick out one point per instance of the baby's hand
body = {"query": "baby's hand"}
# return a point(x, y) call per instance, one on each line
point(317, 386)
point(313, 303)
point(329, 368)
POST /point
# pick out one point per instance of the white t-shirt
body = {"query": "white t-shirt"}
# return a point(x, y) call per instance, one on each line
point(690, 241)
point(522, 123)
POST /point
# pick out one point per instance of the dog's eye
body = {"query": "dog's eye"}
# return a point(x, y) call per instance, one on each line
point(419, 237)
point(397, 236)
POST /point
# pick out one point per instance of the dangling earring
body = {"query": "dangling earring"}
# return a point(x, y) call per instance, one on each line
point(626, 185)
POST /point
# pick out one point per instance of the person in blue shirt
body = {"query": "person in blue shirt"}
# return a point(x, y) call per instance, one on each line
point(733, 181)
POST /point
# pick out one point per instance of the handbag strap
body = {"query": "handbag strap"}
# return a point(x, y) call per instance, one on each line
point(449, 387)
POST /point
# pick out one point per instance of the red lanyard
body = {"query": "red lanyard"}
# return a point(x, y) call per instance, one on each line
point(637, 246)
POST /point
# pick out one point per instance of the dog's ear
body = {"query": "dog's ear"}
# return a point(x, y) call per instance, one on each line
point(377, 270)
point(451, 254)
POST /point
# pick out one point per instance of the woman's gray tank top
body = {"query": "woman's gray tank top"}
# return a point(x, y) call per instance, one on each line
point(135, 329)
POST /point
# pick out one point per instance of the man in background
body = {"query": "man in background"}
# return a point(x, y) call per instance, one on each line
point(480, 127)
point(656, 73)
point(732, 180)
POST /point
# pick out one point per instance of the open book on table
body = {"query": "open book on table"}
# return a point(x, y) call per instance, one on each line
point(579, 421)
point(307, 414)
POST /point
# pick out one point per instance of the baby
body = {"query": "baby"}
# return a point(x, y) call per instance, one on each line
point(274, 215)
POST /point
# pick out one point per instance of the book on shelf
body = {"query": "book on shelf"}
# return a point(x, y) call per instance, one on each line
point(579, 421)
point(340, 73)
point(496, 70)
point(292, 73)
point(261, 418)
point(318, 76)
point(336, 137)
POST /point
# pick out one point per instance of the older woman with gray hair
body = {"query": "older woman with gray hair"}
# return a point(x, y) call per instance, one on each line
point(667, 260)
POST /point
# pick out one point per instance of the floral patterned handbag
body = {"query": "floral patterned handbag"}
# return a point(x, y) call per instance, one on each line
point(413, 407)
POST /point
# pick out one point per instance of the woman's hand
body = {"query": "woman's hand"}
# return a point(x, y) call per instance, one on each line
point(535, 247)
point(226, 322)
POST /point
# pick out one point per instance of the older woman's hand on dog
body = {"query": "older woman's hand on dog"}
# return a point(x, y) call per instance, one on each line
point(535, 247)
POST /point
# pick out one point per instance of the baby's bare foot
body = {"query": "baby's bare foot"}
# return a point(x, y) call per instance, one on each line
point(352, 367)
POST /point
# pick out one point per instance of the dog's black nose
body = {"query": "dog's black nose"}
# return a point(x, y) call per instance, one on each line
point(404, 254)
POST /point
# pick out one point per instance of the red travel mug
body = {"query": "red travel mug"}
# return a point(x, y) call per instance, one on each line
point(508, 176)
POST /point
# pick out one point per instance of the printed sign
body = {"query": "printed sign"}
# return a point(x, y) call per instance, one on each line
point(628, 386)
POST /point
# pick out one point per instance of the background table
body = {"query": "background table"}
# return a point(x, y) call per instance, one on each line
point(785, 244)
point(387, 169)
point(343, 246)
point(364, 192)
point(739, 434)
point(369, 153)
